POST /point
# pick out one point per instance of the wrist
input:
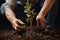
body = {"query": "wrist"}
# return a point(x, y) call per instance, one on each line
point(41, 14)
point(12, 20)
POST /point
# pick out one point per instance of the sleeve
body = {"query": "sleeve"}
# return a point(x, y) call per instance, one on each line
point(8, 4)
point(11, 3)
point(41, 2)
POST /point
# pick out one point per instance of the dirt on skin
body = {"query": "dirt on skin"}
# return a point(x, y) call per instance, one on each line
point(33, 33)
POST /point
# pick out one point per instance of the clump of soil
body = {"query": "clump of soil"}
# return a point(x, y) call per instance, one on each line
point(32, 33)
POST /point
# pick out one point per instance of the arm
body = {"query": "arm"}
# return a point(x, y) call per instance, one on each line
point(8, 10)
point(41, 16)
point(46, 7)
point(11, 15)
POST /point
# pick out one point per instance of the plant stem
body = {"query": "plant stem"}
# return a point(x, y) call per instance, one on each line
point(31, 24)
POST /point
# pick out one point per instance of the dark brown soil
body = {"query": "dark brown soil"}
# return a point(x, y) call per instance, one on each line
point(33, 33)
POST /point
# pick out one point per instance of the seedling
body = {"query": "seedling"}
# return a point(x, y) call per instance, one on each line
point(29, 12)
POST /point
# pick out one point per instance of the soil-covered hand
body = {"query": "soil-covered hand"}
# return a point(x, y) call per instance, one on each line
point(16, 25)
point(40, 20)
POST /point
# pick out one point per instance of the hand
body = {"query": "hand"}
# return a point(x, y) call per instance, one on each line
point(40, 21)
point(16, 25)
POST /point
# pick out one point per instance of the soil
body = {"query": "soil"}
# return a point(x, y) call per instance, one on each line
point(32, 33)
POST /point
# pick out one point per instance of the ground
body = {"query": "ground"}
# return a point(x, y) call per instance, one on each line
point(7, 33)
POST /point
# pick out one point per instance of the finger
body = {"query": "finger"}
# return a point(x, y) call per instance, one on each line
point(17, 28)
point(21, 22)
point(42, 24)
point(16, 24)
point(14, 27)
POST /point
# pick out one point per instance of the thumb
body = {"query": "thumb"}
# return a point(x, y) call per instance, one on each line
point(21, 22)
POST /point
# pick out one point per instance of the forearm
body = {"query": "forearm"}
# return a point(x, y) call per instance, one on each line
point(46, 7)
point(10, 14)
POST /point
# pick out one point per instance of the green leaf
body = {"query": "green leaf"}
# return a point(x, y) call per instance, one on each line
point(27, 20)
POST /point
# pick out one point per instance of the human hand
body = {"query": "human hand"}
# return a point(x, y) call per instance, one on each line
point(16, 25)
point(40, 20)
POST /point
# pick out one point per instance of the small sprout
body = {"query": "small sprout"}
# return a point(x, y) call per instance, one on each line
point(27, 6)
point(27, 20)
point(25, 11)
point(29, 12)
point(28, 15)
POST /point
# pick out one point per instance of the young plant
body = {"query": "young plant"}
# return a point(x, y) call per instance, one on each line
point(29, 12)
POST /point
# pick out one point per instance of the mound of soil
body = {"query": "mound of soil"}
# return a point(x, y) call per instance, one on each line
point(32, 33)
